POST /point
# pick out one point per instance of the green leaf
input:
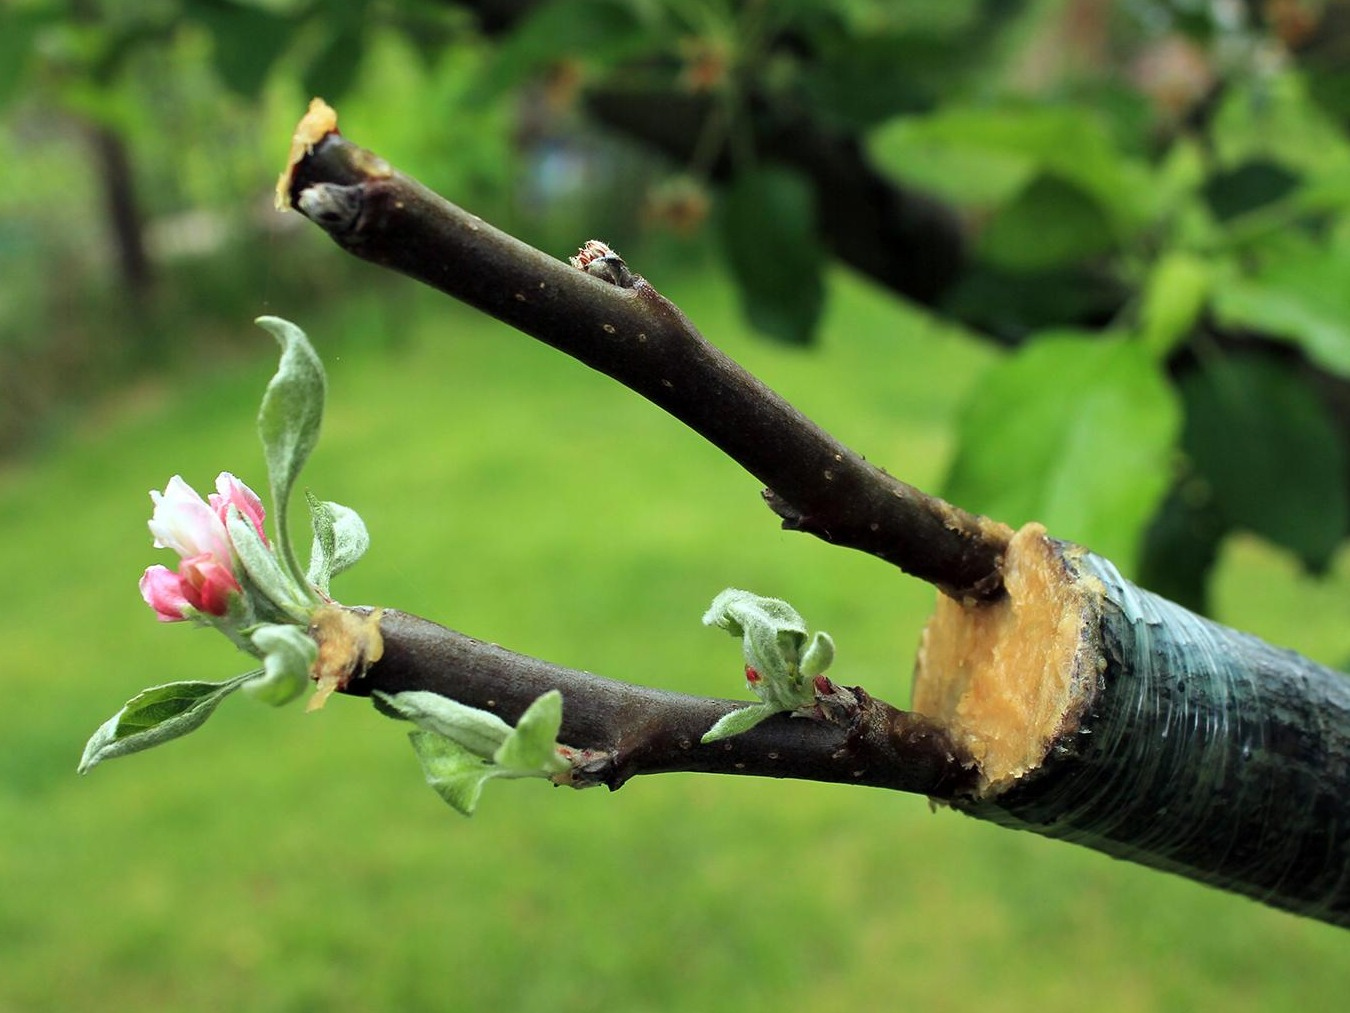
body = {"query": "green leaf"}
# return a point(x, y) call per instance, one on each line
point(334, 67)
point(157, 715)
point(1052, 222)
point(340, 540)
point(264, 572)
point(288, 654)
point(288, 422)
point(989, 154)
point(600, 32)
point(738, 721)
point(1302, 295)
point(773, 636)
point(1182, 545)
point(532, 746)
point(818, 656)
point(1073, 431)
point(246, 41)
point(1276, 462)
point(480, 732)
point(456, 774)
point(769, 236)
point(1174, 297)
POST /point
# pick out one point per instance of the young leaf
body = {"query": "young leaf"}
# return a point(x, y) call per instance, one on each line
point(818, 656)
point(531, 748)
point(479, 731)
point(288, 654)
point(738, 721)
point(340, 540)
point(456, 774)
point(1075, 431)
point(288, 422)
point(769, 235)
point(263, 571)
point(156, 715)
point(772, 636)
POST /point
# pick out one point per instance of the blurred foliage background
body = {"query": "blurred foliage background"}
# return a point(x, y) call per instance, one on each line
point(1067, 260)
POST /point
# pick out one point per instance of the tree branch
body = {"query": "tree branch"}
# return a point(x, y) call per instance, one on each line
point(1050, 694)
point(623, 730)
point(624, 328)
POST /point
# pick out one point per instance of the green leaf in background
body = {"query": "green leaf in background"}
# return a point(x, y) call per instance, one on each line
point(1182, 545)
point(340, 540)
point(599, 32)
point(334, 67)
point(1052, 222)
point(1249, 186)
point(156, 715)
point(1271, 454)
point(288, 422)
point(532, 747)
point(456, 774)
point(1074, 431)
point(246, 41)
point(769, 236)
point(1301, 294)
point(988, 154)
point(1175, 295)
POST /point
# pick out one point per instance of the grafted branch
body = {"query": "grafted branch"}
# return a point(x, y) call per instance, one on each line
point(1051, 694)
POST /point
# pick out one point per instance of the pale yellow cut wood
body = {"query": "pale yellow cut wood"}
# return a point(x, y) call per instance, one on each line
point(1008, 678)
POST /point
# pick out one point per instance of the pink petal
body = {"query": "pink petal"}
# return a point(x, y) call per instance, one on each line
point(207, 585)
point(162, 590)
point(183, 521)
point(232, 492)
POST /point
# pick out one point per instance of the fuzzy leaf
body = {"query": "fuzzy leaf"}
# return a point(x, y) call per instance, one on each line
point(772, 636)
point(288, 654)
point(480, 732)
point(288, 422)
point(818, 656)
point(738, 721)
point(455, 773)
point(531, 748)
point(263, 570)
point(340, 540)
point(156, 715)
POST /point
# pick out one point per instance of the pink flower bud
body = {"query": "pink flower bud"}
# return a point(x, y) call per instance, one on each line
point(162, 590)
point(230, 492)
point(751, 676)
point(207, 585)
point(183, 521)
point(196, 530)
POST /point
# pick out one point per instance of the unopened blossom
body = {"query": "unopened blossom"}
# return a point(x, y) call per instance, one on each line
point(196, 530)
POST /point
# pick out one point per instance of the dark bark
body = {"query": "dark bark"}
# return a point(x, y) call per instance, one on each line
point(633, 334)
point(126, 225)
point(626, 730)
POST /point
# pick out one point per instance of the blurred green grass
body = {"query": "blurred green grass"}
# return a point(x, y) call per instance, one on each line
point(279, 861)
